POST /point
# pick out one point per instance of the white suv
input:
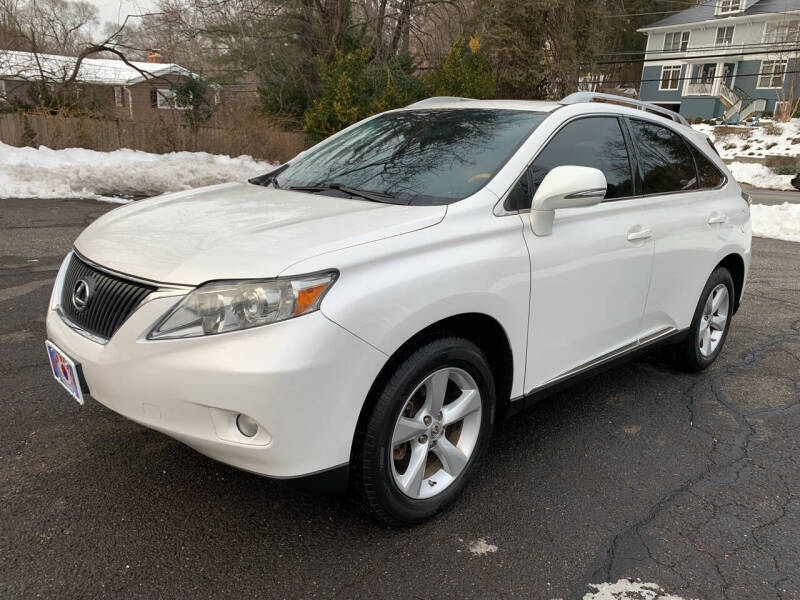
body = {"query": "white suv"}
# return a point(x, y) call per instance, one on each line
point(364, 314)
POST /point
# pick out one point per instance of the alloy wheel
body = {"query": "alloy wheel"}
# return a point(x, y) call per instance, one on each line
point(713, 320)
point(436, 433)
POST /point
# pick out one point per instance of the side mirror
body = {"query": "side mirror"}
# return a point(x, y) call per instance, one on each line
point(565, 187)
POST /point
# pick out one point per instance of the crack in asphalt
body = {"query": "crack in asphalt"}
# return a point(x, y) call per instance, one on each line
point(739, 459)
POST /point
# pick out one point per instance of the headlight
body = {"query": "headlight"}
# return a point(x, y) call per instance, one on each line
point(222, 306)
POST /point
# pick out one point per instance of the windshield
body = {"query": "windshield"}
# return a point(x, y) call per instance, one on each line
point(415, 157)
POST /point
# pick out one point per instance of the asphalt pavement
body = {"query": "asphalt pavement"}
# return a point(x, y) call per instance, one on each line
point(688, 481)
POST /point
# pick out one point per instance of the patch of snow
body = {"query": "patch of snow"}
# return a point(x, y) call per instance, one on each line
point(481, 547)
point(760, 176)
point(625, 589)
point(781, 222)
point(742, 140)
point(79, 173)
point(29, 66)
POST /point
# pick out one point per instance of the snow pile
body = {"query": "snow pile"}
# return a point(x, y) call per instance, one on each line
point(781, 222)
point(754, 142)
point(78, 173)
point(625, 589)
point(759, 176)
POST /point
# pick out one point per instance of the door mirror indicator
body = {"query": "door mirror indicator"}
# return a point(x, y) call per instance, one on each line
point(565, 187)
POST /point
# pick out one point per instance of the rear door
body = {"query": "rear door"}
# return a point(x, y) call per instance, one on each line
point(690, 217)
point(590, 276)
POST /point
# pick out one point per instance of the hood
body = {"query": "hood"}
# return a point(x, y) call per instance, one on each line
point(238, 231)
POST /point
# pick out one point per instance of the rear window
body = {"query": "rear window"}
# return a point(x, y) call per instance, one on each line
point(667, 162)
point(709, 175)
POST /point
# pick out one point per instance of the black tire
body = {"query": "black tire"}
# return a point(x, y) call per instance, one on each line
point(686, 355)
point(372, 484)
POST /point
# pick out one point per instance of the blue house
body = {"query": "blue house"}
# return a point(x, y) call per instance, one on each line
point(727, 59)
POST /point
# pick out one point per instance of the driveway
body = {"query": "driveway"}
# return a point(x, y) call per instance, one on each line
point(688, 481)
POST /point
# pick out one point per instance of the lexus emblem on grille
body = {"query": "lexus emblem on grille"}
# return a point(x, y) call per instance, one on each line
point(80, 295)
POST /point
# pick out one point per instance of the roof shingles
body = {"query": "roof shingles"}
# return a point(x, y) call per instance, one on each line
point(705, 12)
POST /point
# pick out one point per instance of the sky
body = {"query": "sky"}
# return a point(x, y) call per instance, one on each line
point(116, 10)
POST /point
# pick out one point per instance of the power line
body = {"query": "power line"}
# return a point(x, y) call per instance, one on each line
point(794, 49)
point(706, 47)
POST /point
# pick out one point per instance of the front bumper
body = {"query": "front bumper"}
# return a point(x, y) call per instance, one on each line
point(303, 380)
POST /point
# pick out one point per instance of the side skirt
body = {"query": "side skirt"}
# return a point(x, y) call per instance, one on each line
point(594, 368)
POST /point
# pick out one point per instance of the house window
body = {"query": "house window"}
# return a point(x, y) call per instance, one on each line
point(771, 73)
point(119, 97)
point(670, 76)
point(708, 73)
point(728, 6)
point(724, 36)
point(780, 32)
point(165, 98)
point(3, 91)
point(676, 41)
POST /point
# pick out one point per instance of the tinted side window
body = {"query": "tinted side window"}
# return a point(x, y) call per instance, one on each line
point(590, 142)
point(666, 160)
point(710, 177)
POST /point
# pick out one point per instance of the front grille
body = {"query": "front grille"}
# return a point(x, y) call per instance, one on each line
point(109, 301)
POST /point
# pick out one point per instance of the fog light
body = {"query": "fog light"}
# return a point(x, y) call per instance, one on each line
point(247, 426)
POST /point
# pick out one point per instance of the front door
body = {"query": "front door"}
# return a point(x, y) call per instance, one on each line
point(589, 278)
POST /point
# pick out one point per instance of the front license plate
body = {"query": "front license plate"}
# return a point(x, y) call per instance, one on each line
point(65, 371)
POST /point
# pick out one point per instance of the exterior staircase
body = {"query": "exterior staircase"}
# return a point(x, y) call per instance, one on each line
point(739, 105)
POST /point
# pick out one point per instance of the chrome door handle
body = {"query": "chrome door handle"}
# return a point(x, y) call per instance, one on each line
point(715, 218)
point(639, 233)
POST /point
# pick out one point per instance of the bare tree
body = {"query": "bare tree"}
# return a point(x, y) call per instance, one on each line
point(49, 42)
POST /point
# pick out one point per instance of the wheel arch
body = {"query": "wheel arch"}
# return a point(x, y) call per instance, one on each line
point(481, 329)
point(734, 263)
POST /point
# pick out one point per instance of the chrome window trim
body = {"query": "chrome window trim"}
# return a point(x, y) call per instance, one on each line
point(499, 209)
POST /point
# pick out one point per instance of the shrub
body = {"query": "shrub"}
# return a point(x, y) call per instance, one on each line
point(773, 129)
point(352, 90)
point(729, 146)
point(194, 95)
point(771, 145)
point(786, 170)
point(465, 71)
point(746, 147)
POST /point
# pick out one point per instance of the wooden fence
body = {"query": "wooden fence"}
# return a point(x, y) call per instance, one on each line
point(251, 136)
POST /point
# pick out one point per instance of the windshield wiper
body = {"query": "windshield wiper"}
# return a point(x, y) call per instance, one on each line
point(267, 178)
point(365, 194)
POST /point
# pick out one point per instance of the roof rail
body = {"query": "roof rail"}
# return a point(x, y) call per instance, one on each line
point(579, 97)
point(437, 100)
